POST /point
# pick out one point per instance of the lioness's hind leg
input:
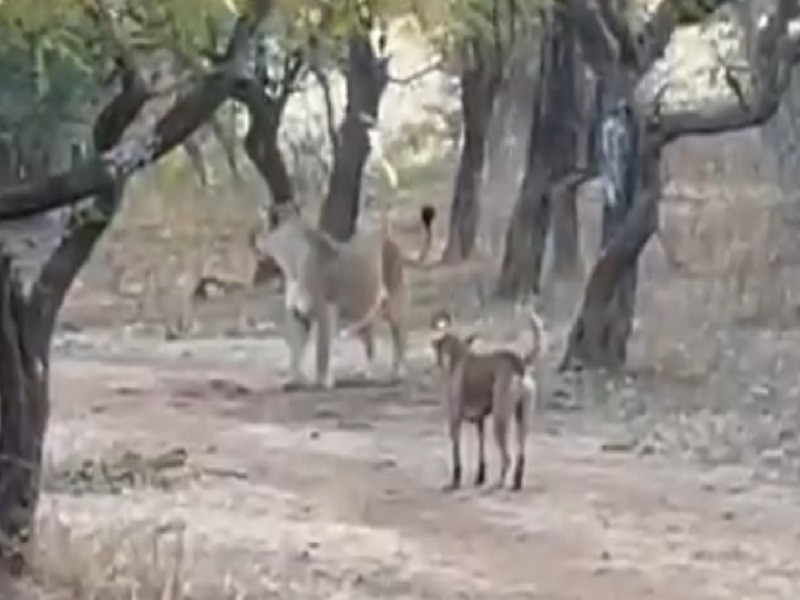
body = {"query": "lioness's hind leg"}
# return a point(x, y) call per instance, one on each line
point(367, 336)
point(397, 329)
point(298, 330)
point(520, 418)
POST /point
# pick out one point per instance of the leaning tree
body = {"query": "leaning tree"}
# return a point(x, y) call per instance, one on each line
point(634, 130)
point(126, 138)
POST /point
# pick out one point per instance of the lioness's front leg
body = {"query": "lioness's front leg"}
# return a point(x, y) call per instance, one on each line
point(326, 321)
point(397, 329)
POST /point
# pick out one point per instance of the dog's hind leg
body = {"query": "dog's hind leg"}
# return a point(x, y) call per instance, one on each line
point(525, 404)
point(500, 415)
point(521, 422)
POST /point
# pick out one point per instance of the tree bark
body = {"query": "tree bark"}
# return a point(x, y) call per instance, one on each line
point(481, 75)
point(106, 170)
point(261, 144)
point(366, 81)
point(27, 320)
point(630, 172)
point(553, 154)
point(26, 328)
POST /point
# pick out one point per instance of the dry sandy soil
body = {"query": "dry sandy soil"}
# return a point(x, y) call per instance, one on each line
point(336, 495)
point(677, 481)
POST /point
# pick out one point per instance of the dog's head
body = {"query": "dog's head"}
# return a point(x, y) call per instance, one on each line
point(448, 347)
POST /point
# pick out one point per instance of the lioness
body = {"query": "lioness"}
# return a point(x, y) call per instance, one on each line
point(479, 384)
point(326, 281)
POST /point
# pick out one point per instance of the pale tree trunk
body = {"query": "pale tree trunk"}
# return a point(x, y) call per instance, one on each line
point(366, 81)
point(553, 146)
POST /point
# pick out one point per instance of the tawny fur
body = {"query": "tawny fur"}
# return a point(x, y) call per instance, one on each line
point(355, 283)
point(477, 385)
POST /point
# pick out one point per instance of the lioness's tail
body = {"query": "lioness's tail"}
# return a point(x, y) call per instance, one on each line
point(538, 339)
point(426, 215)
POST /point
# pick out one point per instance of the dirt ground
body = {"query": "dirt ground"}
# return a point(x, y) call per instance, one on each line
point(178, 468)
point(336, 495)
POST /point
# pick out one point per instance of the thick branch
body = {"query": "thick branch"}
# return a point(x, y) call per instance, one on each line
point(261, 140)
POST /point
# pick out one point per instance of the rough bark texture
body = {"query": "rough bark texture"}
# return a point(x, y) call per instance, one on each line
point(553, 149)
point(261, 140)
point(26, 328)
point(481, 75)
point(261, 144)
point(630, 175)
point(601, 330)
point(105, 170)
point(27, 320)
point(366, 81)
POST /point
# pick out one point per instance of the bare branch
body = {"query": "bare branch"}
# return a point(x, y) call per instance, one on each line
point(778, 51)
point(104, 171)
point(330, 121)
point(418, 74)
point(600, 48)
point(653, 38)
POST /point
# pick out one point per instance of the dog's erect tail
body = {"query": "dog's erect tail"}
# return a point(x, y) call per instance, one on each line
point(538, 339)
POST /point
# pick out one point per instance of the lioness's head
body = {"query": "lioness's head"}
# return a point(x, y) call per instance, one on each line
point(260, 239)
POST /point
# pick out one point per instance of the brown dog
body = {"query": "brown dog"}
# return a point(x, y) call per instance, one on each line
point(479, 384)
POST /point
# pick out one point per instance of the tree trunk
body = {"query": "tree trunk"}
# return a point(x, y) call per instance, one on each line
point(553, 154)
point(261, 144)
point(26, 328)
point(481, 76)
point(27, 320)
point(366, 81)
point(24, 409)
point(630, 170)
point(566, 233)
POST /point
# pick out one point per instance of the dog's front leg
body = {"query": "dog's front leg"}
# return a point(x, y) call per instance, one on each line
point(480, 474)
point(455, 445)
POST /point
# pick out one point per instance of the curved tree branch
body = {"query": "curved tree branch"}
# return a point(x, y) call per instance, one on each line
point(778, 48)
point(106, 170)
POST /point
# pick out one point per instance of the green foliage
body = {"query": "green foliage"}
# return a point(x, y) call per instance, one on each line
point(50, 73)
point(455, 24)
